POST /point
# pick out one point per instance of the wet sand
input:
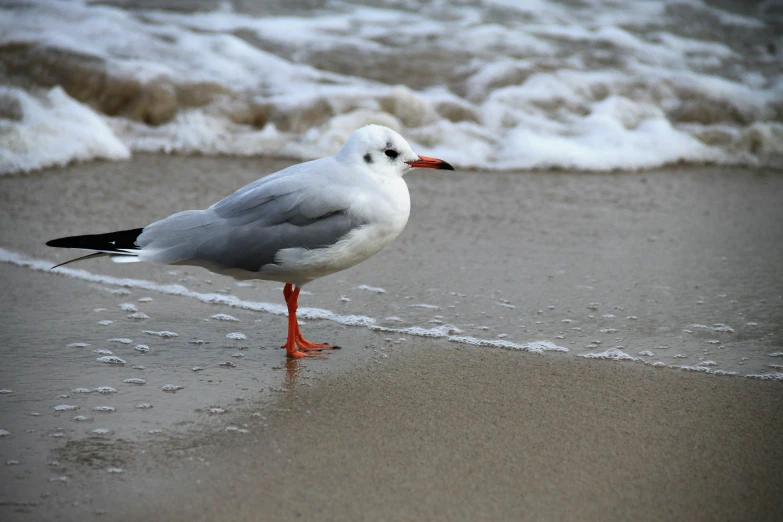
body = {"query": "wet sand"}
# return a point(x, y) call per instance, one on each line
point(414, 429)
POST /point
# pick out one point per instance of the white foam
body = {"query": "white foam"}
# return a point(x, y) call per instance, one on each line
point(445, 330)
point(236, 336)
point(777, 376)
point(53, 130)
point(164, 333)
point(224, 317)
point(602, 85)
point(111, 359)
point(532, 347)
point(375, 289)
point(613, 354)
point(122, 340)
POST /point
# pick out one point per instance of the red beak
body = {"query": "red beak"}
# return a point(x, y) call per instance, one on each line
point(425, 162)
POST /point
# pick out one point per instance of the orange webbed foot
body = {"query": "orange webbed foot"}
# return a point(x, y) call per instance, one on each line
point(297, 354)
point(307, 346)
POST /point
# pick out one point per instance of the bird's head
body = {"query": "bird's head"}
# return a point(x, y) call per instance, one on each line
point(384, 152)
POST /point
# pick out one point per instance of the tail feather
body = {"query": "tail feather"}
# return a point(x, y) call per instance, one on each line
point(121, 243)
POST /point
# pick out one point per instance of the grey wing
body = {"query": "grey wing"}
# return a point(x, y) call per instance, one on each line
point(247, 229)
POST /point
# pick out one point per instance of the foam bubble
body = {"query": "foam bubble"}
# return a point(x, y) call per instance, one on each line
point(66, 407)
point(110, 359)
point(121, 340)
point(106, 390)
point(236, 336)
point(614, 354)
point(437, 331)
point(134, 381)
point(142, 348)
point(224, 317)
point(164, 333)
point(4, 433)
point(171, 388)
point(374, 289)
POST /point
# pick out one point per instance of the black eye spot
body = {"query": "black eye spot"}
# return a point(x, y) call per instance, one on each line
point(368, 158)
point(391, 153)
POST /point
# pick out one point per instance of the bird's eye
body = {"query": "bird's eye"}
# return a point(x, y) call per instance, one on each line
point(391, 153)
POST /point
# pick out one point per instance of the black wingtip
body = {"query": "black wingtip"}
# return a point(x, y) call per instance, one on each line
point(110, 242)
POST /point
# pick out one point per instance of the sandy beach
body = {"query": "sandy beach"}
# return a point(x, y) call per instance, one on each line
point(396, 426)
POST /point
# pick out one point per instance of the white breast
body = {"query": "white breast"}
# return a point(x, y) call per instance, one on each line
point(385, 208)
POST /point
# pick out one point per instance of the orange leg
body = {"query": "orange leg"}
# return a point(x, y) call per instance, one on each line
point(295, 338)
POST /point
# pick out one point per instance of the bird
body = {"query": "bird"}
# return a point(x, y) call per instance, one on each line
point(293, 226)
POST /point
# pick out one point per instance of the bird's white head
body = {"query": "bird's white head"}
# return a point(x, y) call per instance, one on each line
point(383, 151)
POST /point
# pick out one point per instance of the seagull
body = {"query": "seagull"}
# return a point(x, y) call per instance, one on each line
point(294, 226)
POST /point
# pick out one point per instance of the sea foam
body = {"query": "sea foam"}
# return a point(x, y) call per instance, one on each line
point(595, 85)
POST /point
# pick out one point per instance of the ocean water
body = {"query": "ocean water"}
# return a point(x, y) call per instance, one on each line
point(499, 84)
